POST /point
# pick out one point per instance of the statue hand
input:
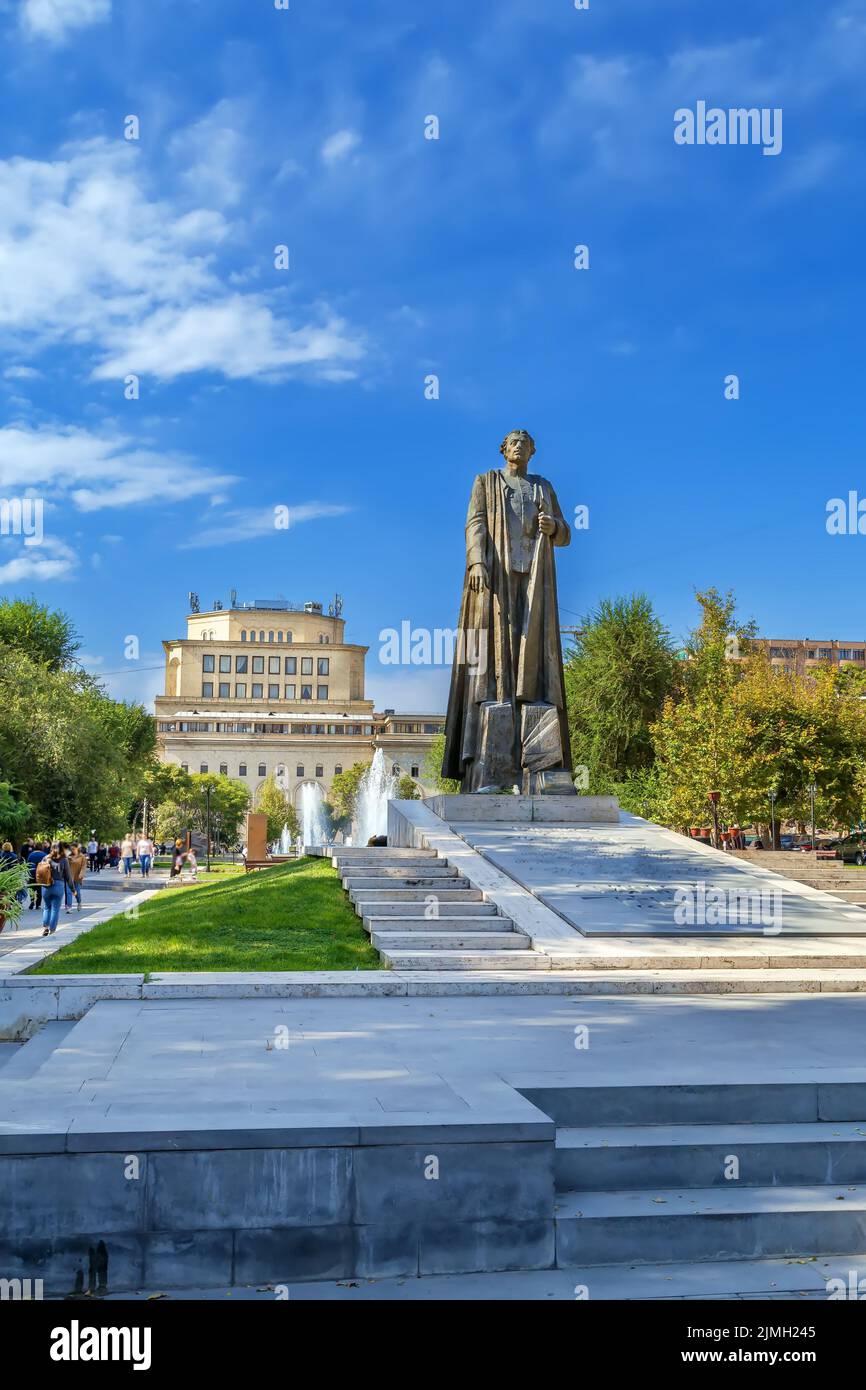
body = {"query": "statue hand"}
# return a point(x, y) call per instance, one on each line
point(478, 578)
point(546, 524)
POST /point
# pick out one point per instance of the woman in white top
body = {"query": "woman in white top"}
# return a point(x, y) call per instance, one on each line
point(144, 849)
point(127, 854)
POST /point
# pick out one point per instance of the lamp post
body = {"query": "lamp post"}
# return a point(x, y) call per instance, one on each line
point(813, 792)
point(773, 795)
point(715, 798)
point(207, 792)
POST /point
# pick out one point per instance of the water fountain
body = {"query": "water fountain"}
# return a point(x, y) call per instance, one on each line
point(376, 788)
point(314, 826)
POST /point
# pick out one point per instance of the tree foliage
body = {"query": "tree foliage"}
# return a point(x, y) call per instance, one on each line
point(344, 790)
point(186, 807)
point(74, 755)
point(273, 803)
point(433, 760)
point(618, 674)
point(47, 637)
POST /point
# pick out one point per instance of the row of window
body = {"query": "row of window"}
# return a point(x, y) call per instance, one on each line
point(251, 636)
point(845, 654)
point(277, 665)
point(263, 771)
point(244, 726)
point(256, 691)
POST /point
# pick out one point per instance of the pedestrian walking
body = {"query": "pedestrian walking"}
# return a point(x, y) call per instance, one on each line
point(176, 858)
point(127, 853)
point(78, 866)
point(193, 864)
point(52, 875)
point(34, 858)
point(92, 852)
point(145, 850)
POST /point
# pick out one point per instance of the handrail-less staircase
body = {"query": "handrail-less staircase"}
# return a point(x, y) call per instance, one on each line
point(423, 914)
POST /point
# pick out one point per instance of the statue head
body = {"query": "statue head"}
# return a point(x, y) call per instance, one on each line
point(517, 447)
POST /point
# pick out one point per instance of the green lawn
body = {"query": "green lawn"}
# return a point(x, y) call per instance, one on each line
point(293, 917)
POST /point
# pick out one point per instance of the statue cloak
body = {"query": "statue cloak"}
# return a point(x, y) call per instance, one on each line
point(493, 660)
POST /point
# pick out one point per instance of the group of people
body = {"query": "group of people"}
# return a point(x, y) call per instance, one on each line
point(56, 871)
point(55, 877)
point(132, 849)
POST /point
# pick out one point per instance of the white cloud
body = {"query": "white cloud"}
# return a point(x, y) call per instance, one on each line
point(251, 523)
point(55, 19)
point(51, 560)
point(339, 145)
point(89, 258)
point(98, 471)
point(21, 374)
point(238, 336)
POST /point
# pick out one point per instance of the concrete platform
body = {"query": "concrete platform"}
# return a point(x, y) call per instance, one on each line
point(293, 1138)
point(622, 880)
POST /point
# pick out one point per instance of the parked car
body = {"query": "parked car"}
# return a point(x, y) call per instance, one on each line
point(852, 849)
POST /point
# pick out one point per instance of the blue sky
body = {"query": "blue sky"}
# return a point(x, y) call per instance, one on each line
point(409, 257)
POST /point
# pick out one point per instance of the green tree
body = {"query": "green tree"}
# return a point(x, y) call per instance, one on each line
point(187, 808)
point(273, 803)
point(407, 789)
point(696, 740)
point(344, 790)
point(618, 674)
point(15, 815)
point(47, 637)
point(433, 760)
point(75, 756)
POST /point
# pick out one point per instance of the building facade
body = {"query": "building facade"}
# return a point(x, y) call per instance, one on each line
point(799, 655)
point(265, 688)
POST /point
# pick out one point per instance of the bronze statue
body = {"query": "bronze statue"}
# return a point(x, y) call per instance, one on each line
point(506, 722)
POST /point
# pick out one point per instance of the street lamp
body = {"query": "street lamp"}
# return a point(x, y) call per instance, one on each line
point(715, 798)
point(773, 795)
point(207, 792)
point(813, 792)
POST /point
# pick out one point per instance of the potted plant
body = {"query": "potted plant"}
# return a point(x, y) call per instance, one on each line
point(13, 881)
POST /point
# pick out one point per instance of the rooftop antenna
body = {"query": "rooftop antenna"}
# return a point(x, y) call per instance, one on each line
point(193, 602)
point(217, 605)
point(335, 609)
point(234, 598)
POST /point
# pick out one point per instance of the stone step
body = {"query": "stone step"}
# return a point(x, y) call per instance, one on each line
point(387, 851)
point(709, 1103)
point(605, 1157)
point(454, 893)
point(31, 1055)
point(411, 910)
point(453, 940)
point(406, 881)
point(465, 960)
point(385, 875)
point(374, 865)
point(418, 926)
point(708, 1223)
